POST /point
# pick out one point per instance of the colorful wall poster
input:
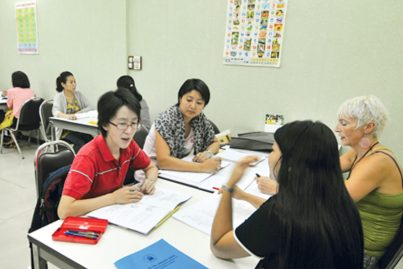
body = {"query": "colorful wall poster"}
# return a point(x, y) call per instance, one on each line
point(254, 32)
point(27, 31)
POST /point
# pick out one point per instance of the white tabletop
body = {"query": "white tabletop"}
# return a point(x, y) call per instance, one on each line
point(118, 242)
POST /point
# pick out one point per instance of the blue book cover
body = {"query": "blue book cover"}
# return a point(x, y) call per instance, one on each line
point(160, 255)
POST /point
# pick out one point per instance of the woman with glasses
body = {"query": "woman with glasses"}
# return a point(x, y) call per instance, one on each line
point(98, 171)
point(183, 129)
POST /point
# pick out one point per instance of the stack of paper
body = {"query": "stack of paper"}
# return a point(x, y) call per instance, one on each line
point(144, 215)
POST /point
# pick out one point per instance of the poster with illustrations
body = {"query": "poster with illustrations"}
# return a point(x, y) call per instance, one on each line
point(27, 32)
point(254, 32)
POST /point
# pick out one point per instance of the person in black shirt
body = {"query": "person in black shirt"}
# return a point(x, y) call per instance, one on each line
point(310, 223)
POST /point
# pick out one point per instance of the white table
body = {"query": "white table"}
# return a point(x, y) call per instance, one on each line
point(83, 125)
point(119, 242)
point(3, 103)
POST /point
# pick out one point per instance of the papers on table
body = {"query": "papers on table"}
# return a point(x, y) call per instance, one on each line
point(88, 114)
point(145, 215)
point(234, 155)
point(158, 255)
point(200, 215)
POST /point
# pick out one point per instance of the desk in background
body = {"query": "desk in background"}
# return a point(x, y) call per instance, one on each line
point(84, 125)
point(118, 242)
point(3, 103)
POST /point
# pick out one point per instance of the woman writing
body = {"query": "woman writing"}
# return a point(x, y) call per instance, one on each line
point(97, 174)
point(183, 129)
point(310, 223)
point(66, 104)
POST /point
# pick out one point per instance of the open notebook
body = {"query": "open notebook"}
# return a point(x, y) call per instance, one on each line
point(145, 215)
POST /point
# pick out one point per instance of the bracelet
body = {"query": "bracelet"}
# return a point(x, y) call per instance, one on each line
point(210, 154)
point(230, 190)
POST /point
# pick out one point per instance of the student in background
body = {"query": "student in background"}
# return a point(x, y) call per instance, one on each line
point(374, 178)
point(66, 104)
point(17, 96)
point(183, 129)
point(98, 171)
point(128, 83)
point(311, 222)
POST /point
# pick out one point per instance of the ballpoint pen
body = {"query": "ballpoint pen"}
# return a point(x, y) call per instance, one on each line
point(82, 234)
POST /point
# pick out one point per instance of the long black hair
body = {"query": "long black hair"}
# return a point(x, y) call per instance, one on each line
point(321, 227)
point(128, 83)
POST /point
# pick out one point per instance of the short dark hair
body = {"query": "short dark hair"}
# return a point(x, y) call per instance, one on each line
point(62, 78)
point(110, 102)
point(128, 83)
point(20, 80)
point(197, 85)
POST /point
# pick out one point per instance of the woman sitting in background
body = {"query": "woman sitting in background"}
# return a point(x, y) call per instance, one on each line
point(375, 177)
point(17, 96)
point(66, 103)
point(183, 129)
point(128, 83)
point(311, 222)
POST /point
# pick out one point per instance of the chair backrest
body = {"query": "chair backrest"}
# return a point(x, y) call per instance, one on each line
point(45, 111)
point(140, 136)
point(29, 115)
point(216, 130)
point(49, 157)
point(394, 251)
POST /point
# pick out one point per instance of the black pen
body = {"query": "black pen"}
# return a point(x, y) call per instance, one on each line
point(257, 175)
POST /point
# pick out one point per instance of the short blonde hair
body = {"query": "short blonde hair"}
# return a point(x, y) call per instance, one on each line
point(365, 109)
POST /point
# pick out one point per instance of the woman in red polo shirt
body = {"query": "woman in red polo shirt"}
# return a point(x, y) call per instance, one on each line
point(97, 174)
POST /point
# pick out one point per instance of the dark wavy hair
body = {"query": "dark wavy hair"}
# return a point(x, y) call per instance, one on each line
point(62, 78)
point(128, 83)
point(20, 79)
point(195, 84)
point(320, 223)
point(110, 102)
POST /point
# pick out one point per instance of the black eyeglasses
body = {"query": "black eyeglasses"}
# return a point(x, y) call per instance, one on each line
point(124, 125)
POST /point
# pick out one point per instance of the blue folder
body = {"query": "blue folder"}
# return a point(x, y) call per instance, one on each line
point(160, 255)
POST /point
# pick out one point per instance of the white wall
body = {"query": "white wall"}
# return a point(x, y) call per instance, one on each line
point(333, 50)
point(87, 38)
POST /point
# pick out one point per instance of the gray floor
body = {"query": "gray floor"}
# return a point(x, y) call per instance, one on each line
point(17, 201)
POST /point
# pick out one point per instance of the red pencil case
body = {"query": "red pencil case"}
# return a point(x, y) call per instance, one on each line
point(80, 230)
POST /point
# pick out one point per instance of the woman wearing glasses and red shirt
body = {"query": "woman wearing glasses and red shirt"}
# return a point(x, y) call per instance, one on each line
point(97, 174)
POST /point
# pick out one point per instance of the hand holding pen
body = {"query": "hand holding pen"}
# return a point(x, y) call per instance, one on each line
point(266, 185)
point(127, 194)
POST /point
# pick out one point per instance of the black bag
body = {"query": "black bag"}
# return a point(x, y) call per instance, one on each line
point(257, 141)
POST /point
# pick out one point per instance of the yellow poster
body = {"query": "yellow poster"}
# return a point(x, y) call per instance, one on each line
point(27, 31)
point(254, 32)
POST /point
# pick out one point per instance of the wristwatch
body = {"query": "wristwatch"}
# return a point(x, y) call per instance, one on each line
point(228, 189)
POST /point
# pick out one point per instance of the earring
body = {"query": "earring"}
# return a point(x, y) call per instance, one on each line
point(365, 142)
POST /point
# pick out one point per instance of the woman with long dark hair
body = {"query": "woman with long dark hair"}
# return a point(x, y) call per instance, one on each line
point(311, 222)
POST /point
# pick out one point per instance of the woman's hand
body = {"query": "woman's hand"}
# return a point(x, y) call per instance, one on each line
point(148, 186)
point(127, 194)
point(267, 185)
point(212, 165)
point(71, 116)
point(239, 169)
point(203, 156)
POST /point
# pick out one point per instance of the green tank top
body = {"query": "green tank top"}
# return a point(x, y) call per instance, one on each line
point(380, 217)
